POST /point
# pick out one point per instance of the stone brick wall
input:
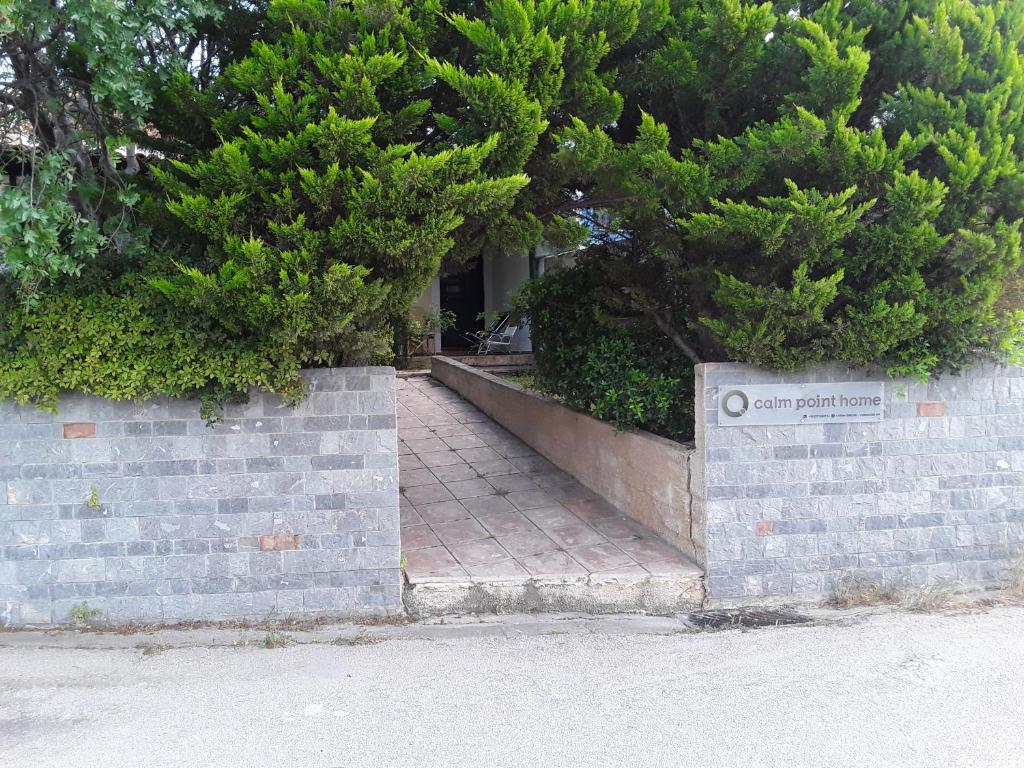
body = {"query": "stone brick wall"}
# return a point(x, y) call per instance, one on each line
point(147, 514)
point(933, 493)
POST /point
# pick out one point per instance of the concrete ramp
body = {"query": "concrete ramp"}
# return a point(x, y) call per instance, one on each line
point(490, 526)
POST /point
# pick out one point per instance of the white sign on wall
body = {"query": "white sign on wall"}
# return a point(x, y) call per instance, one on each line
point(752, 404)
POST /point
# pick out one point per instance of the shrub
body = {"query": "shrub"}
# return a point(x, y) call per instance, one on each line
point(605, 364)
point(127, 342)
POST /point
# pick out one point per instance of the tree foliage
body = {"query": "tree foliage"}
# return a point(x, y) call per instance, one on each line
point(818, 181)
point(778, 183)
point(319, 218)
point(76, 78)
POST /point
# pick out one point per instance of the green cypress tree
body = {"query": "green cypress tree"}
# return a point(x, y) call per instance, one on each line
point(321, 215)
point(528, 69)
point(814, 181)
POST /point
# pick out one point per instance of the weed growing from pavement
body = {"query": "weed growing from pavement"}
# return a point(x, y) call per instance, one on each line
point(83, 615)
point(933, 598)
point(855, 594)
point(93, 502)
point(276, 640)
point(152, 649)
point(362, 638)
point(1016, 584)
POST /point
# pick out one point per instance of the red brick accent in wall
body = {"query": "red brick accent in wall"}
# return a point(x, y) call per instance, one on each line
point(75, 429)
point(764, 528)
point(279, 542)
point(931, 409)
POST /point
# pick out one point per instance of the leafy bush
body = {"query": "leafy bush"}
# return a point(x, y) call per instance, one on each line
point(127, 342)
point(604, 364)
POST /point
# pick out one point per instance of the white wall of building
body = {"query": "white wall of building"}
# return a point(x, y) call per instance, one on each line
point(428, 301)
point(503, 274)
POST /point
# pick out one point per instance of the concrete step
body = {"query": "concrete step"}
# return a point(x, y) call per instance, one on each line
point(593, 593)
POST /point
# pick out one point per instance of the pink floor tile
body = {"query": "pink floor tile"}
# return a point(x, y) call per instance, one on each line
point(648, 550)
point(513, 481)
point(433, 560)
point(450, 430)
point(478, 552)
point(547, 518)
point(506, 523)
point(427, 494)
point(601, 557)
point(418, 537)
point(413, 477)
point(672, 568)
point(531, 499)
point(460, 531)
point(502, 570)
point(486, 505)
point(499, 468)
point(441, 459)
point(525, 544)
point(458, 442)
point(553, 564)
point(575, 535)
point(478, 454)
point(409, 516)
point(417, 433)
point(426, 445)
point(616, 528)
point(442, 512)
point(591, 510)
point(409, 462)
point(465, 489)
point(454, 472)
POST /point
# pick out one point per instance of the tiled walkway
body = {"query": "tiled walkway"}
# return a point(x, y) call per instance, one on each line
point(480, 505)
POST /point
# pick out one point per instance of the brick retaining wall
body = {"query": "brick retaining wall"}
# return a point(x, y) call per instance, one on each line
point(147, 514)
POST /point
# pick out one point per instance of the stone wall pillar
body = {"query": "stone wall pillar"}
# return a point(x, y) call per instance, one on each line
point(931, 493)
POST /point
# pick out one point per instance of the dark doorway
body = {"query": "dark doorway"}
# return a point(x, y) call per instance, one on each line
point(463, 294)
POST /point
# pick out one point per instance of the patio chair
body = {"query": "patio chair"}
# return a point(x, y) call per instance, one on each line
point(498, 342)
point(477, 339)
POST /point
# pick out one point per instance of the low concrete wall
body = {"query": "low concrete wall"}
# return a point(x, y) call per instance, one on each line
point(931, 493)
point(147, 514)
point(643, 475)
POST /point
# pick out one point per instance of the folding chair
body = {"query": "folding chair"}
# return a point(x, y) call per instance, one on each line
point(500, 341)
point(477, 339)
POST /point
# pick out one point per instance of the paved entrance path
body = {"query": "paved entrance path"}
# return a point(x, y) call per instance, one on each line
point(478, 504)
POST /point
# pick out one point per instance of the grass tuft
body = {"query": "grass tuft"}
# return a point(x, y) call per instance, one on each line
point(857, 594)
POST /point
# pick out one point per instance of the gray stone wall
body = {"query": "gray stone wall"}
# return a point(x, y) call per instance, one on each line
point(147, 514)
point(933, 493)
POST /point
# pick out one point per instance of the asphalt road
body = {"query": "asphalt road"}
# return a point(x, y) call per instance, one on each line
point(890, 690)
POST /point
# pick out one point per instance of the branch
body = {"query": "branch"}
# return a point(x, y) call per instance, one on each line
point(666, 327)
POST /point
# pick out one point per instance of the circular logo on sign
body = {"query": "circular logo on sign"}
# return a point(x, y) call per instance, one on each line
point(735, 409)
